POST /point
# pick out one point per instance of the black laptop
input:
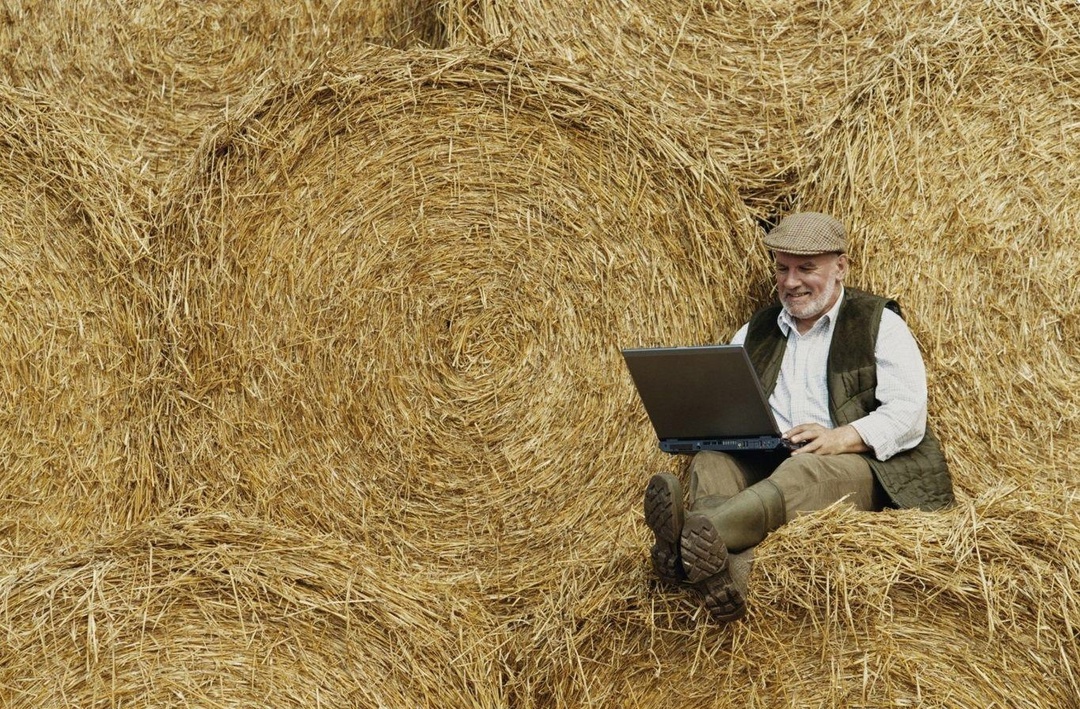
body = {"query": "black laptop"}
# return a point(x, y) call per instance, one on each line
point(704, 398)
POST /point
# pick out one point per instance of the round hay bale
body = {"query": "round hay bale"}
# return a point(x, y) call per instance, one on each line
point(76, 328)
point(215, 610)
point(754, 79)
point(953, 163)
point(153, 75)
point(398, 297)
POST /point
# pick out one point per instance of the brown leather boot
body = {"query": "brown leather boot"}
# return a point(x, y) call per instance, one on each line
point(664, 516)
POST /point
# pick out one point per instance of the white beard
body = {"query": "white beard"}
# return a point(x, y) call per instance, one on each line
point(814, 307)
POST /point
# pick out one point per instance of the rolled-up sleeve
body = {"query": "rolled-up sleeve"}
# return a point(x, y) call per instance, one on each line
point(899, 422)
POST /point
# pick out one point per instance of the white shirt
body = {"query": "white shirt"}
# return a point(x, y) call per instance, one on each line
point(802, 394)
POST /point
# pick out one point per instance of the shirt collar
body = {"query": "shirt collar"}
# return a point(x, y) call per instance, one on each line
point(787, 323)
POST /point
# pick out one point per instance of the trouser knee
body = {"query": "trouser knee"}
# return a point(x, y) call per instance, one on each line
point(714, 476)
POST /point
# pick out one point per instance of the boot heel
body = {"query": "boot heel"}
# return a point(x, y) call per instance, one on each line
point(723, 597)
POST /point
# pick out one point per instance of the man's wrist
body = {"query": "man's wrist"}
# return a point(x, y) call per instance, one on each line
point(854, 441)
point(863, 444)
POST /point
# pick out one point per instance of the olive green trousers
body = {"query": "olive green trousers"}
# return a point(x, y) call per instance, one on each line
point(805, 482)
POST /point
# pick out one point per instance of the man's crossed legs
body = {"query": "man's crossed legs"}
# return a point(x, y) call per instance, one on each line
point(734, 501)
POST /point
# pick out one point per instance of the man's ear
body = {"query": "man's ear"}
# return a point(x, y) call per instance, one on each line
point(842, 265)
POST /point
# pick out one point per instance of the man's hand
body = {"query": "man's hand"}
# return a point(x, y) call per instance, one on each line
point(826, 441)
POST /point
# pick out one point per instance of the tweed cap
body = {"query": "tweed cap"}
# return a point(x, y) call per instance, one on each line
point(808, 233)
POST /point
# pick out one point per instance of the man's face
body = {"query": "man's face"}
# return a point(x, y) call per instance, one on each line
point(809, 285)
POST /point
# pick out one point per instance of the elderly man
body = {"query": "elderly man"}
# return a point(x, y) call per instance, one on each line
point(846, 382)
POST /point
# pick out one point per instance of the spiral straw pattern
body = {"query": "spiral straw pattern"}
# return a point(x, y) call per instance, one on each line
point(403, 290)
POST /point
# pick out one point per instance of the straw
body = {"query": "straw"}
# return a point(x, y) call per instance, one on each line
point(154, 75)
point(212, 609)
point(76, 330)
point(313, 388)
point(754, 80)
point(398, 294)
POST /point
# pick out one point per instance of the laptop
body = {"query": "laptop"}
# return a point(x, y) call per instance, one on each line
point(704, 398)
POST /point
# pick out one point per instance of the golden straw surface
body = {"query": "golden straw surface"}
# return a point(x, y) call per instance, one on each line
point(335, 414)
point(154, 75)
point(753, 79)
point(80, 362)
point(213, 609)
point(397, 297)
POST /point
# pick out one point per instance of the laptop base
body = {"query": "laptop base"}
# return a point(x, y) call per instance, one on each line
point(756, 443)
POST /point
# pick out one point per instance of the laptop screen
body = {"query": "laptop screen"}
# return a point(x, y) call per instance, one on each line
point(702, 392)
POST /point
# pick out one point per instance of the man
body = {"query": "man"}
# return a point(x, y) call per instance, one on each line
point(846, 383)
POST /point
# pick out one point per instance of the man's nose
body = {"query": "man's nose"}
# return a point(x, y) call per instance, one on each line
point(787, 280)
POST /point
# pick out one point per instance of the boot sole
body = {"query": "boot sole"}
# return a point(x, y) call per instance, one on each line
point(704, 553)
point(664, 516)
point(663, 507)
point(723, 598)
point(667, 564)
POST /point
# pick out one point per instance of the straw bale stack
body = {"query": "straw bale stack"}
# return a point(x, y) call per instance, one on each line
point(954, 161)
point(217, 610)
point(754, 79)
point(154, 75)
point(972, 608)
point(80, 361)
point(370, 382)
point(398, 294)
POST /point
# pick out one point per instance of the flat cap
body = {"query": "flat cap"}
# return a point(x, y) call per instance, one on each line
point(808, 233)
